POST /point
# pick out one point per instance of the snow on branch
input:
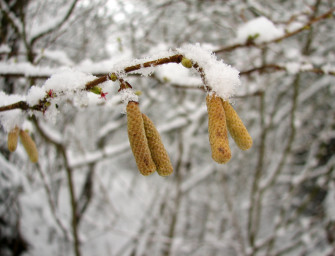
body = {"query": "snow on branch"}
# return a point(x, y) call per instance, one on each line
point(250, 34)
point(68, 84)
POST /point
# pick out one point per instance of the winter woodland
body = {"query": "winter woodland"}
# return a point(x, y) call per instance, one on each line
point(62, 64)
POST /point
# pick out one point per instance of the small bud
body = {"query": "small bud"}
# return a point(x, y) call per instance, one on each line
point(187, 63)
point(157, 149)
point(12, 139)
point(217, 130)
point(96, 90)
point(236, 127)
point(51, 93)
point(138, 140)
point(113, 77)
point(138, 93)
point(29, 146)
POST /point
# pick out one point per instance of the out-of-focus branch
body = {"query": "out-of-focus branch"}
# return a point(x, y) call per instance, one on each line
point(57, 25)
point(275, 67)
point(249, 43)
point(52, 204)
point(69, 170)
point(15, 21)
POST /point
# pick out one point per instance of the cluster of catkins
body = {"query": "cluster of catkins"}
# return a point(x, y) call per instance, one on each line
point(222, 117)
point(148, 149)
point(146, 144)
point(27, 142)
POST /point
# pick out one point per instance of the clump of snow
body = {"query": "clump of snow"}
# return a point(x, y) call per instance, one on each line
point(328, 69)
point(174, 74)
point(35, 94)
point(220, 77)
point(12, 118)
point(306, 67)
point(127, 95)
point(292, 67)
point(28, 126)
point(260, 30)
point(66, 80)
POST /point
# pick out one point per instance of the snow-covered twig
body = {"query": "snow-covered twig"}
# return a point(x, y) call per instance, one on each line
point(251, 43)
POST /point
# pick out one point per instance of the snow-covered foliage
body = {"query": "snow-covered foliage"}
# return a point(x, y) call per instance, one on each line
point(85, 195)
point(259, 30)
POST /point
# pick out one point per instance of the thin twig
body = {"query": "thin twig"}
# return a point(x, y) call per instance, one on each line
point(280, 38)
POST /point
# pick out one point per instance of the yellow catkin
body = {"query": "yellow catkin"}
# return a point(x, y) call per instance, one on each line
point(217, 129)
point(157, 149)
point(236, 127)
point(13, 136)
point(138, 140)
point(29, 146)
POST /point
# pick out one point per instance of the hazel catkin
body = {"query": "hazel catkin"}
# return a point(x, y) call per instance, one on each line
point(138, 140)
point(29, 145)
point(157, 149)
point(217, 129)
point(236, 127)
point(12, 139)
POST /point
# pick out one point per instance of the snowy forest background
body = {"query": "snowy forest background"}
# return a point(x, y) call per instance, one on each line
point(278, 198)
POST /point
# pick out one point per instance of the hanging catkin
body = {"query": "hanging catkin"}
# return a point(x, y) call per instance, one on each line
point(138, 140)
point(236, 127)
point(157, 149)
point(217, 129)
point(12, 139)
point(29, 145)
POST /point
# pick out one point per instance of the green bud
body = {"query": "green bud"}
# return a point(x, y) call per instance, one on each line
point(96, 90)
point(187, 63)
point(113, 77)
point(138, 93)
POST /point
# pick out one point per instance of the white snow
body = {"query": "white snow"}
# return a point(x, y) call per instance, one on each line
point(26, 68)
point(10, 119)
point(260, 29)
point(292, 67)
point(175, 74)
point(4, 48)
point(126, 96)
point(220, 77)
point(35, 94)
point(58, 56)
point(66, 80)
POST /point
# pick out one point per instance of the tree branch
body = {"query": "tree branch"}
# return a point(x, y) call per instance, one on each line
point(41, 106)
point(15, 21)
point(56, 26)
point(249, 43)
